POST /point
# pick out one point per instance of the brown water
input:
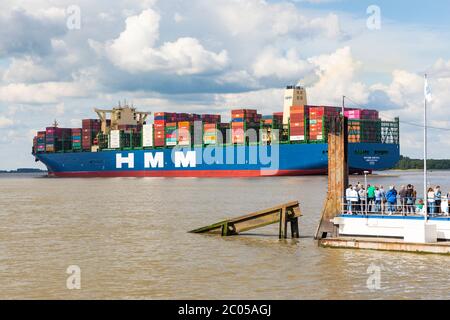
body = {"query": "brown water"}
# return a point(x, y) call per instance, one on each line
point(129, 237)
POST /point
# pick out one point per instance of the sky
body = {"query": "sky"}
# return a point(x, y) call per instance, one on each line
point(60, 59)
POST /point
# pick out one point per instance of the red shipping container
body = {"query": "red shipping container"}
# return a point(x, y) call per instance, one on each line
point(209, 126)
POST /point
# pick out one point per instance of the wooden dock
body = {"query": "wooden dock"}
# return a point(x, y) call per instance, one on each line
point(385, 244)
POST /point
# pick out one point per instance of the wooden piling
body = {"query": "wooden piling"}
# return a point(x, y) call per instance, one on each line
point(337, 176)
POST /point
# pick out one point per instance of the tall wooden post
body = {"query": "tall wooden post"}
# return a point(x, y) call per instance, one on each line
point(337, 176)
point(282, 234)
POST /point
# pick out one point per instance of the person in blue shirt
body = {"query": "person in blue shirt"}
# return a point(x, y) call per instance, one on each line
point(437, 198)
point(391, 198)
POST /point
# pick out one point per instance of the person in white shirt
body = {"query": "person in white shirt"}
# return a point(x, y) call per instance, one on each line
point(431, 201)
point(351, 195)
point(348, 198)
point(354, 200)
point(444, 205)
point(362, 194)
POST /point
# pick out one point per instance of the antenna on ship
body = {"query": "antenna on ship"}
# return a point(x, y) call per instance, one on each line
point(55, 123)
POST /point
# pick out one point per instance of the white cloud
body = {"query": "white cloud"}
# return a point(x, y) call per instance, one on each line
point(403, 88)
point(406, 91)
point(241, 77)
point(59, 109)
point(46, 92)
point(258, 17)
point(27, 70)
point(288, 66)
point(83, 84)
point(5, 122)
point(134, 50)
point(266, 101)
point(336, 73)
point(177, 17)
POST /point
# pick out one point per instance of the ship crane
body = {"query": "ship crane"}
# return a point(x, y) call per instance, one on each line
point(125, 115)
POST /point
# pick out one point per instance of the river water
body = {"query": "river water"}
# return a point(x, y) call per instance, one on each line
point(129, 238)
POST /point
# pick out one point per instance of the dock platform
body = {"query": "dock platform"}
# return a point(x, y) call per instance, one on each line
point(385, 244)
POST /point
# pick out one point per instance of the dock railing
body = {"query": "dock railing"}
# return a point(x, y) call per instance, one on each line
point(401, 207)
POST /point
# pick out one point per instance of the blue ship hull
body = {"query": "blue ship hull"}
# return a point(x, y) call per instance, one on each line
point(224, 161)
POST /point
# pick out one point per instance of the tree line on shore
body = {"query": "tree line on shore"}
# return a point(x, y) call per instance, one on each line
point(406, 163)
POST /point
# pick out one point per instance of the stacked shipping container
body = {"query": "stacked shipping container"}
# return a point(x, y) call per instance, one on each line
point(147, 135)
point(161, 118)
point(90, 127)
point(241, 121)
point(318, 126)
point(40, 141)
point(210, 118)
point(184, 133)
point(171, 134)
point(58, 139)
point(363, 125)
point(76, 138)
point(307, 123)
point(361, 114)
point(297, 124)
point(211, 132)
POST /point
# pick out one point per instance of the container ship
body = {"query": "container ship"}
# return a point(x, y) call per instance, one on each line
point(124, 142)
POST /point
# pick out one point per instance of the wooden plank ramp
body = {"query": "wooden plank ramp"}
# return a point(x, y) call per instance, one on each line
point(284, 214)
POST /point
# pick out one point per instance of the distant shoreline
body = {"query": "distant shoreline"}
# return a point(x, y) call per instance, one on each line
point(416, 170)
point(406, 163)
point(22, 171)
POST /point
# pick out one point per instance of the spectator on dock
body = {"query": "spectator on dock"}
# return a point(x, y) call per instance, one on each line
point(351, 196)
point(391, 198)
point(348, 198)
point(409, 200)
point(383, 199)
point(444, 204)
point(419, 206)
point(378, 199)
point(437, 198)
point(431, 201)
point(370, 198)
point(362, 194)
point(402, 196)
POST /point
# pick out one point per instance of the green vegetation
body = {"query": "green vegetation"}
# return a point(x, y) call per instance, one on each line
point(406, 163)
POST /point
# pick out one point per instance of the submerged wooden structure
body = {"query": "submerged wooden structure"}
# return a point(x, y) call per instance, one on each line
point(284, 214)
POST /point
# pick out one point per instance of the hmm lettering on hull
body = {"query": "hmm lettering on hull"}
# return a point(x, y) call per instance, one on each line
point(156, 160)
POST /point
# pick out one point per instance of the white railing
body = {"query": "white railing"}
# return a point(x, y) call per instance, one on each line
point(385, 208)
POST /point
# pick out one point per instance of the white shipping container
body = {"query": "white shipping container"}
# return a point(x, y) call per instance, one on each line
point(114, 139)
point(184, 143)
point(147, 135)
point(297, 138)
